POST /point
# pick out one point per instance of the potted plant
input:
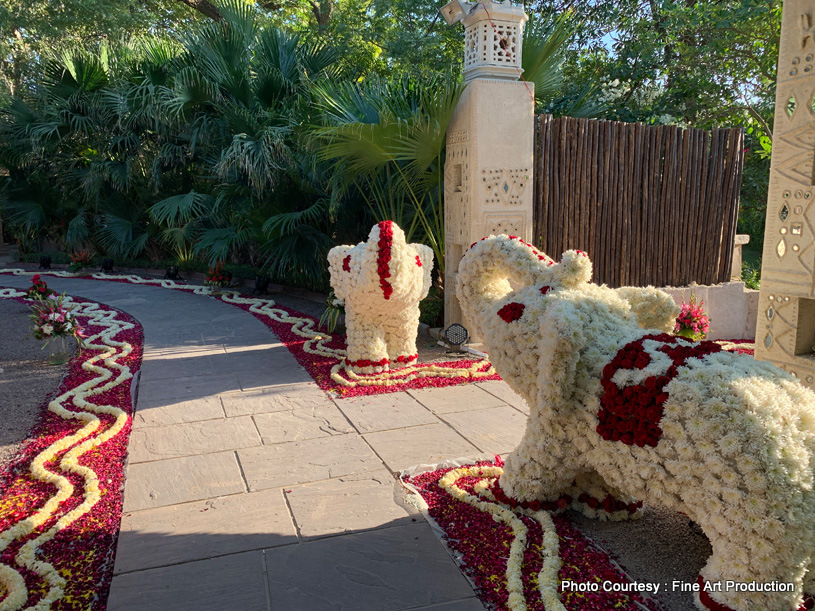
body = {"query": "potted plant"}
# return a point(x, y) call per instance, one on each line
point(218, 279)
point(80, 259)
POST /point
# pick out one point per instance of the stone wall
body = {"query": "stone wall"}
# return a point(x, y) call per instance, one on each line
point(732, 308)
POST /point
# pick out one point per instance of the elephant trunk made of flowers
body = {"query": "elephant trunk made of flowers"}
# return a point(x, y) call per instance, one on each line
point(382, 282)
point(621, 412)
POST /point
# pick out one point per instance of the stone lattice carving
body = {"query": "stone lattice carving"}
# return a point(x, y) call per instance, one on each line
point(505, 186)
point(493, 35)
point(382, 282)
point(622, 412)
point(788, 263)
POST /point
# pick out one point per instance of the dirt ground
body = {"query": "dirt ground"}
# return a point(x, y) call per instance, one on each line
point(26, 378)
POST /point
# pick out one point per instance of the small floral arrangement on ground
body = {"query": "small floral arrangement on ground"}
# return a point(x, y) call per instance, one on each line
point(217, 277)
point(80, 259)
point(52, 318)
point(692, 322)
point(38, 289)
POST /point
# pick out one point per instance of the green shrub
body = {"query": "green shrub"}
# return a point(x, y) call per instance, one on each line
point(431, 309)
point(751, 275)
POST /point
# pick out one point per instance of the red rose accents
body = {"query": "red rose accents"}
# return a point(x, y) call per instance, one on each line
point(632, 414)
point(511, 312)
point(384, 257)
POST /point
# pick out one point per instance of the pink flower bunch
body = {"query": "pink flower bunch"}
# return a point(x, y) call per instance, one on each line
point(692, 322)
point(52, 319)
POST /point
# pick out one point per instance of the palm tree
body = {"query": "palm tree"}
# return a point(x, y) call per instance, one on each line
point(387, 138)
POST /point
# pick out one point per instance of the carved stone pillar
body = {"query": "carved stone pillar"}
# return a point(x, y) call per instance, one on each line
point(488, 168)
point(785, 333)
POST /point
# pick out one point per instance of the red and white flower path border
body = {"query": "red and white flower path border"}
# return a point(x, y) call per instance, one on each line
point(67, 452)
point(316, 341)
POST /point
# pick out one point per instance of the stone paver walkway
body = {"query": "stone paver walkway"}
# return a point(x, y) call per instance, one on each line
point(249, 488)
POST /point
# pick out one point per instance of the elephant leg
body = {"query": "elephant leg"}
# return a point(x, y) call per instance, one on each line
point(742, 556)
point(533, 474)
point(367, 350)
point(400, 336)
point(595, 498)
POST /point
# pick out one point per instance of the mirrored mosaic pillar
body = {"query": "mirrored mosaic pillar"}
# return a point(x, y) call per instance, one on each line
point(785, 333)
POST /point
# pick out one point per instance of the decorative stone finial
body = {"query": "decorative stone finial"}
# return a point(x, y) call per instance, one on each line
point(493, 34)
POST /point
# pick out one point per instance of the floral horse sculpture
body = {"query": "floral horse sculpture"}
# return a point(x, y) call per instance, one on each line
point(621, 411)
point(382, 282)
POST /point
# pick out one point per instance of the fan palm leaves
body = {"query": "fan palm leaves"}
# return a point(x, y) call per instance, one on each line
point(545, 49)
point(388, 137)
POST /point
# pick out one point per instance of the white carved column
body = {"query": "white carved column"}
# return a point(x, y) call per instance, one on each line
point(785, 333)
point(488, 169)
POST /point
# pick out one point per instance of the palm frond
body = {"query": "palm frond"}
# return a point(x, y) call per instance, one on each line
point(180, 209)
point(544, 50)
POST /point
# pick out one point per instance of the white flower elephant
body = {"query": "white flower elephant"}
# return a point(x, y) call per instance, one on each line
point(382, 282)
point(619, 412)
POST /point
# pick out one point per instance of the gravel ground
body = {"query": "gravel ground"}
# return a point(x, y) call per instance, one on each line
point(26, 380)
point(659, 548)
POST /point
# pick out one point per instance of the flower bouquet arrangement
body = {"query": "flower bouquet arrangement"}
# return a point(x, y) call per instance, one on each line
point(218, 278)
point(692, 322)
point(54, 320)
point(38, 289)
point(80, 259)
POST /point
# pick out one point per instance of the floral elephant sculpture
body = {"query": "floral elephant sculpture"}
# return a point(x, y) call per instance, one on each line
point(622, 411)
point(382, 282)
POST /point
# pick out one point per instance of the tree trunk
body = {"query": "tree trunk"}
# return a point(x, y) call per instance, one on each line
point(323, 11)
point(204, 7)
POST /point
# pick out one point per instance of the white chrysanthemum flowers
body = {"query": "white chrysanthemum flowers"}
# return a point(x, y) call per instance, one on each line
point(622, 411)
point(381, 282)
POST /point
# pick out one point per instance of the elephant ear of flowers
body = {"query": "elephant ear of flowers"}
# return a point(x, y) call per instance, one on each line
point(381, 281)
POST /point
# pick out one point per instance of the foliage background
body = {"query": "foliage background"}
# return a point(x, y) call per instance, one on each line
point(191, 130)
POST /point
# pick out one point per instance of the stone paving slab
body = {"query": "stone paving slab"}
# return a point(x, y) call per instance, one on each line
point(302, 424)
point(233, 582)
point(181, 351)
point(467, 604)
point(385, 412)
point(447, 399)
point(159, 413)
point(287, 372)
point(255, 345)
point(193, 438)
point(181, 480)
point(347, 504)
point(186, 388)
point(427, 444)
point(496, 430)
point(501, 389)
point(192, 530)
point(403, 567)
point(177, 366)
point(203, 529)
point(276, 399)
point(299, 462)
